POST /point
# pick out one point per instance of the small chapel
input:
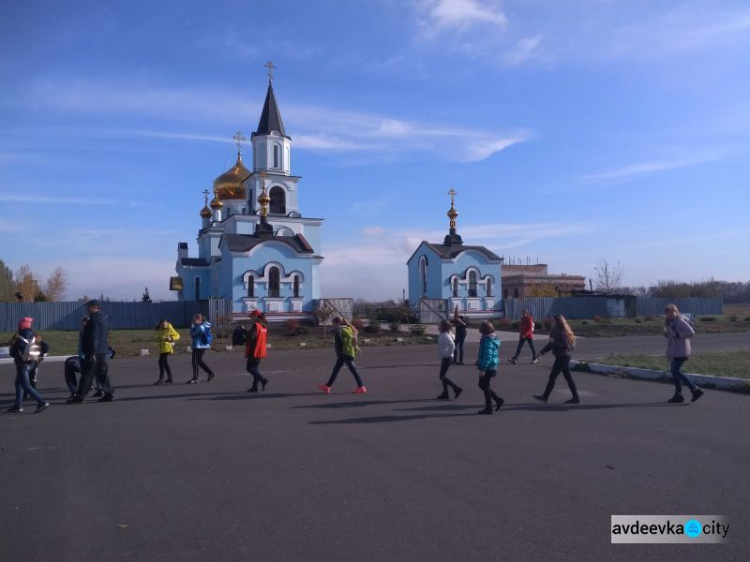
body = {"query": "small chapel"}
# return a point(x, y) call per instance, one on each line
point(255, 248)
point(451, 274)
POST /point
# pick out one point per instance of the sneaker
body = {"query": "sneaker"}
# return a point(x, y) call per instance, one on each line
point(192, 381)
point(540, 398)
point(107, 398)
point(443, 396)
point(534, 361)
point(210, 376)
point(159, 382)
point(253, 389)
point(498, 403)
point(457, 392)
point(361, 390)
point(325, 388)
point(15, 409)
point(75, 400)
point(676, 399)
point(98, 394)
point(263, 384)
point(573, 401)
point(697, 393)
point(168, 381)
point(485, 412)
point(41, 408)
point(512, 360)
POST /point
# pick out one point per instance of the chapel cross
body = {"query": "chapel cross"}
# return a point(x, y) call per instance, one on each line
point(271, 67)
point(205, 196)
point(453, 194)
point(239, 138)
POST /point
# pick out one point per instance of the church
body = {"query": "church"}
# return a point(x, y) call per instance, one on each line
point(452, 274)
point(255, 249)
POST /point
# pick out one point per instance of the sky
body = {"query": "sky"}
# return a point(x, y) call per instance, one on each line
point(573, 131)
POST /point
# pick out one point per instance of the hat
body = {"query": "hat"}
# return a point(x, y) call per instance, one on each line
point(256, 312)
point(94, 302)
point(25, 322)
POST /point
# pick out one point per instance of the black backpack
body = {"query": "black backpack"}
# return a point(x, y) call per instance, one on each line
point(239, 337)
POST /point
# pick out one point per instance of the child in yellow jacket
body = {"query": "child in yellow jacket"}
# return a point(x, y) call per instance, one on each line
point(166, 336)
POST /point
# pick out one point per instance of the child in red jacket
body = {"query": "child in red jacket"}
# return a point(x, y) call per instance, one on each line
point(526, 330)
point(255, 350)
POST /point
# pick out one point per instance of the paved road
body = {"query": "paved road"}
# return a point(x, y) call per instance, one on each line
point(210, 472)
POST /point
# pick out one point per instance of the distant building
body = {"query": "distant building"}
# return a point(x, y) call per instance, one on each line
point(255, 249)
point(526, 281)
point(453, 274)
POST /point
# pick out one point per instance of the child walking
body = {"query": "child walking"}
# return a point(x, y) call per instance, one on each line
point(678, 332)
point(487, 361)
point(446, 347)
point(561, 342)
point(166, 336)
point(345, 353)
point(200, 332)
point(526, 334)
point(256, 349)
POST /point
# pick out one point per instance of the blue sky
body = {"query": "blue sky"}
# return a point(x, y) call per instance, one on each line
point(573, 130)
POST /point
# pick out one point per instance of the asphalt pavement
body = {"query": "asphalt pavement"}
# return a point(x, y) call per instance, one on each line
point(212, 472)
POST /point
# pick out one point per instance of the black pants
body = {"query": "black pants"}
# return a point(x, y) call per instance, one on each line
point(458, 354)
point(561, 365)
point(253, 367)
point(164, 366)
point(485, 383)
point(198, 362)
point(340, 362)
point(444, 364)
point(99, 369)
point(520, 345)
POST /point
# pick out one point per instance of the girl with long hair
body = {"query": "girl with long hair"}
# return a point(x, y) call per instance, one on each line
point(562, 341)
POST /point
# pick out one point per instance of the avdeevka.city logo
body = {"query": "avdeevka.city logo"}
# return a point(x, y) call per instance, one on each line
point(669, 529)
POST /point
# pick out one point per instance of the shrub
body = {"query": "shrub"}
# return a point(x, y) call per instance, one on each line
point(502, 322)
point(733, 318)
point(638, 320)
point(358, 323)
point(649, 318)
point(584, 322)
point(747, 318)
point(292, 325)
point(418, 329)
point(372, 328)
point(515, 325)
point(309, 322)
point(707, 318)
point(601, 319)
point(394, 326)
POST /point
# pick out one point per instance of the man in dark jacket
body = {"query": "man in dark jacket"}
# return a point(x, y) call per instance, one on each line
point(94, 351)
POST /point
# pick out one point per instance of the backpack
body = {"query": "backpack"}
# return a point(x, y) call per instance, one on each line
point(32, 353)
point(239, 337)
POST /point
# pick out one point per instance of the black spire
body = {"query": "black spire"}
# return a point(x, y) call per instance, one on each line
point(270, 119)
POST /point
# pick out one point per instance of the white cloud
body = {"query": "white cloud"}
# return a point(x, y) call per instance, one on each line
point(44, 199)
point(460, 14)
point(373, 231)
point(523, 50)
point(647, 168)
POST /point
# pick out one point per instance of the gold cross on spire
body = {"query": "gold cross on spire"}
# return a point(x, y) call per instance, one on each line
point(205, 196)
point(239, 138)
point(271, 67)
point(453, 194)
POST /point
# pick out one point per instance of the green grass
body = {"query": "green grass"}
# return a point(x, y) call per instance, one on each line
point(128, 343)
point(719, 363)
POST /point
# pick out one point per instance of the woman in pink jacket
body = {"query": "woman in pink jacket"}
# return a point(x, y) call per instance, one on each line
point(678, 332)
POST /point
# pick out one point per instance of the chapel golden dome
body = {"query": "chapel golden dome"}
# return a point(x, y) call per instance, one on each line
point(216, 201)
point(231, 184)
point(206, 212)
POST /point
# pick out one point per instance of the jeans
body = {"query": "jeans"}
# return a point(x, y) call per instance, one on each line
point(678, 377)
point(520, 345)
point(198, 362)
point(164, 366)
point(23, 384)
point(561, 365)
point(340, 362)
point(485, 382)
point(253, 367)
point(458, 354)
point(95, 369)
point(445, 363)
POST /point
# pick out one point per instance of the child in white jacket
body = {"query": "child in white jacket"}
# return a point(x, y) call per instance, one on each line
point(446, 347)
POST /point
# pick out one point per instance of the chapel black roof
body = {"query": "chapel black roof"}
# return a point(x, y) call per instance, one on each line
point(450, 252)
point(246, 242)
point(200, 262)
point(270, 118)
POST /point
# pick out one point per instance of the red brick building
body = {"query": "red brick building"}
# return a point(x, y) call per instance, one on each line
point(527, 281)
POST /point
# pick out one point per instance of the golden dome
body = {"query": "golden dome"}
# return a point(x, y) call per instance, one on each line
point(206, 212)
point(216, 201)
point(230, 184)
point(452, 213)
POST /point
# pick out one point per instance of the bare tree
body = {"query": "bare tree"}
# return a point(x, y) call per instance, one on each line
point(55, 287)
point(7, 284)
point(607, 276)
point(26, 285)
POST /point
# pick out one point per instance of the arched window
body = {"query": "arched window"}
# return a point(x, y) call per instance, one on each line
point(251, 286)
point(489, 286)
point(197, 288)
point(455, 287)
point(274, 282)
point(296, 285)
point(472, 283)
point(278, 201)
point(275, 156)
point(423, 273)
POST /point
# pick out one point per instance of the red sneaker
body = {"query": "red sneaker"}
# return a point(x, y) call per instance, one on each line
point(361, 390)
point(324, 388)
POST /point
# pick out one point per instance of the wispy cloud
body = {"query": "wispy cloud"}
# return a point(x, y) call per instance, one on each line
point(441, 15)
point(642, 168)
point(47, 200)
point(523, 50)
point(373, 231)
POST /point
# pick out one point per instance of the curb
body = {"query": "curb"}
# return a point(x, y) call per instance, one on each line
point(704, 381)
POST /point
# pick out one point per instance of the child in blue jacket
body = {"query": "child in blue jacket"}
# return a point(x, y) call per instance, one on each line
point(489, 348)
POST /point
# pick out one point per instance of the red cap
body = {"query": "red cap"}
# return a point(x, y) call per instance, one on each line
point(25, 322)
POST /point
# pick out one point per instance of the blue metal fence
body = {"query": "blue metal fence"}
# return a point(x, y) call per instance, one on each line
point(122, 315)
